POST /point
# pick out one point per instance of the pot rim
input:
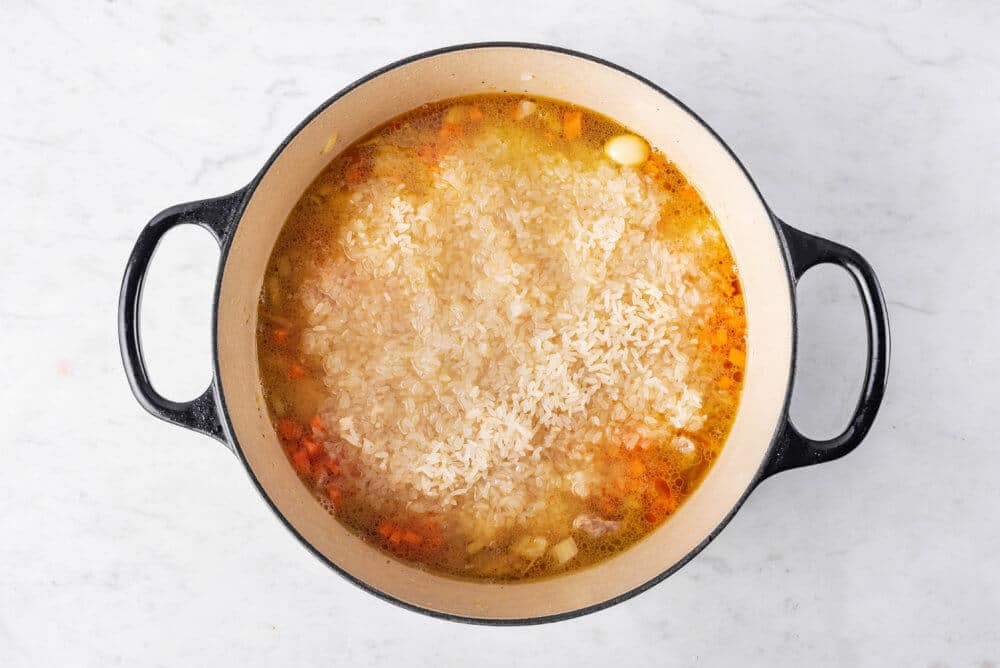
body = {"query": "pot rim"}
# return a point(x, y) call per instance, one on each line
point(244, 197)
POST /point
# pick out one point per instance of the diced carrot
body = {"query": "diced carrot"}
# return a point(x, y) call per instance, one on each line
point(354, 174)
point(475, 114)
point(312, 447)
point(296, 371)
point(720, 337)
point(300, 461)
point(385, 528)
point(412, 538)
point(725, 382)
point(316, 422)
point(280, 335)
point(334, 494)
point(689, 193)
point(663, 488)
point(737, 356)
point(572, 124)
point(396, 536)
point(659, 509)
point(664, 505)
point(290, 430)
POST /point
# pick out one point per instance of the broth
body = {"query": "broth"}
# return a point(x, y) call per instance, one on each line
point(501, 338)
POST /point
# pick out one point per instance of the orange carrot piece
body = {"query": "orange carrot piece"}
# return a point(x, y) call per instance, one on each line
point(656, 512)
point(720, 337)
point(296, 371)
point(334, 494)
point(280, 335)
point(316, 422)
point(300, 461)
point(396, 536)
point(725, 383)
point(312, 447)
point(475, 114)
point(665, 505)
point(689, 193)
point(385, 528)
point(354, 174)
point(737, 356)
point(572, 124)
point(290, 430)
point(412, 538)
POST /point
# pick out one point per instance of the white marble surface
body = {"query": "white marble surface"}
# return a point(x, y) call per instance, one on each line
point(125, 541)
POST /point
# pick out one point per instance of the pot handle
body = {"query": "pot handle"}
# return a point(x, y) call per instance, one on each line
point(202, 414)
point(793, 449)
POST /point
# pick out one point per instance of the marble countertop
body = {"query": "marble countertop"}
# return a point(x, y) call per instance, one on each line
point(126, 541)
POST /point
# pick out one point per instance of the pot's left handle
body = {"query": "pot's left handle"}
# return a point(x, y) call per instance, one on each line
point(216, 215)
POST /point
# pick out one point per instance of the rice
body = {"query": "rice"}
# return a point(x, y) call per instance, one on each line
point(482, 337)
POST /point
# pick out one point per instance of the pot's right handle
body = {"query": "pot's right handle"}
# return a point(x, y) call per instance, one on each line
point(793, 449)
point(201, 414)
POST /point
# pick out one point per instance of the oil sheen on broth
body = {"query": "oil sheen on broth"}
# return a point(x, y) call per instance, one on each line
point(501, 338)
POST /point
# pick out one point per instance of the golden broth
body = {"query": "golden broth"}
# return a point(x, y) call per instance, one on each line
point(635, 482)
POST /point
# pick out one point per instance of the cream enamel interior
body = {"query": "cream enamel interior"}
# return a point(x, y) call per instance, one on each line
point(724, 187)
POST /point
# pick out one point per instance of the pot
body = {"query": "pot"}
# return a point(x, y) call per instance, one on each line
point(771, 256)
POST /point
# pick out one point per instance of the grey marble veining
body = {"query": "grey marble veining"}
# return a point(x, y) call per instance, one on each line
point(124, 541)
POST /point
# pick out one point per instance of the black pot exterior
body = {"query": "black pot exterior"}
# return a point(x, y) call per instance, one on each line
point(209, 415)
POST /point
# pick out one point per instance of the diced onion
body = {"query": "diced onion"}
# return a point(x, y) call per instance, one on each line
point(564, 550)
point(531, 547)
point(455, 114)
point(687, 449)
point(525, 108)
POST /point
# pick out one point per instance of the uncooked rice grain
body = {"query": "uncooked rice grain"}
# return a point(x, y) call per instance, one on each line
point(482, 338)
